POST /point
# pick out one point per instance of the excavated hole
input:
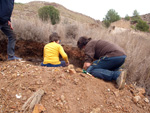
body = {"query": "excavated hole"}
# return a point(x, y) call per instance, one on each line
point(33, 51)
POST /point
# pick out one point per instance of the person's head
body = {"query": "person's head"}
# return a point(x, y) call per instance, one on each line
point(82, 42)
point(54, 37)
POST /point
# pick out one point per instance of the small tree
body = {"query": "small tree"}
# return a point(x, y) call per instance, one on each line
point(135, 13)
point(49, 12)
point(136, 17)
point(107, 23)
point(127, 18)
point(111, 16)
point(142, 26)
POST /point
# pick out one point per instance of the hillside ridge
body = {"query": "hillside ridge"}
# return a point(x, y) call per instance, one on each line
point(31, 9)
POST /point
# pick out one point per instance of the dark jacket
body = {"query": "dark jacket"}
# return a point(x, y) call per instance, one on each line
point(96, 49)
point(6, 8)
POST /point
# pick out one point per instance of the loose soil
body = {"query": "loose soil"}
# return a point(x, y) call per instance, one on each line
point(65, 92)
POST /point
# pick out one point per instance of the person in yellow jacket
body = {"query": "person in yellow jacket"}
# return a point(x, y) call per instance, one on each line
point(52, 51)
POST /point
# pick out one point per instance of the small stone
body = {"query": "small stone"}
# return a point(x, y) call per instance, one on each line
point(23, 88)
point(136, 99)
point(78, 99)
point(38, 82)
point(11, 110)
point(76, 81)
point(146, 100)
point(18, 96)
point(18, 74)
point(117, 107)
point(57, 99)
point(42, 81)
point(82, 74)
point(62, 97)
point(96, 110)
point(22, 75)
point(13, 107)
point(54, 89)
point(71, 66)
point(72, 71)
point(116, 93)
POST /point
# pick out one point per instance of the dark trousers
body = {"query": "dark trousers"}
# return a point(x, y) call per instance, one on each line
point(107, 68)
point(63, 64)
point(11, 38)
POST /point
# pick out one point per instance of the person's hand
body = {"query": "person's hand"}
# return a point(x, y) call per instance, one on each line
point(9, 23)
point(86, 65)
point(67, 63)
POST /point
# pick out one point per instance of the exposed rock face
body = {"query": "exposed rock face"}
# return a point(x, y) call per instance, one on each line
point(146, 17)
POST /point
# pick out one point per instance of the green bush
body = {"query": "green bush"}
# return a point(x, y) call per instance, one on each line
point(106, 23)
point(49, 12)
point(110, 17)
point(142, 26)
point(135, 19)
point(127, 18)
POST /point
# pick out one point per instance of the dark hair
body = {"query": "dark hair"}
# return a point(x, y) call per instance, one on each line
point(82, 41)
point(54, 37)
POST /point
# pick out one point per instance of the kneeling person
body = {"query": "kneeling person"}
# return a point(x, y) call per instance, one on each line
point(52, 51)
point(108, 59)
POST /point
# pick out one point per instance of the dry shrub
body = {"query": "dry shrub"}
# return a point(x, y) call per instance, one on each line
point(39, 31)
point(31, 30)
point(71, 31)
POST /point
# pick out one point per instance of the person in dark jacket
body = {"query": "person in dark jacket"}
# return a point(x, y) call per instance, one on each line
point(103, 60)
point(6, 8)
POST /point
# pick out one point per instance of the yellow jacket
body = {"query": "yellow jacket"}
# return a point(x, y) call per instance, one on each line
point(51, 53)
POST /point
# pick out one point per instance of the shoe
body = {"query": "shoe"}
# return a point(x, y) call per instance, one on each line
point(121, 79)
point(14, 58)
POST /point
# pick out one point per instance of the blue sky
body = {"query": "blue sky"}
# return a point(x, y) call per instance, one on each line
point(98, 9)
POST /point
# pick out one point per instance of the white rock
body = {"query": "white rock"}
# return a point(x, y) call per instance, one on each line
point(18, 96)
point(146, 100)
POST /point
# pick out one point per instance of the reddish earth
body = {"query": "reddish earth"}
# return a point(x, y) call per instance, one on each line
point(64, 92)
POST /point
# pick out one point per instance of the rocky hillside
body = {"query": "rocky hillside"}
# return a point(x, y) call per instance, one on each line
point(146, 18)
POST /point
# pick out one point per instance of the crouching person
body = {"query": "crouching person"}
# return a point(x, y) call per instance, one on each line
point(108, 59)
point(52, 51)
